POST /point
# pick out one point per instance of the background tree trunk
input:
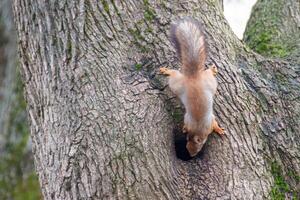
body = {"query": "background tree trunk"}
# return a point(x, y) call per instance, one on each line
point(7, 68)
point(103, 123)
point(17, 177)
point(273, 29)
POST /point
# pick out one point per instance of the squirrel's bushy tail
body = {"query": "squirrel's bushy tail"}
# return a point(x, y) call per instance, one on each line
point(188, 38)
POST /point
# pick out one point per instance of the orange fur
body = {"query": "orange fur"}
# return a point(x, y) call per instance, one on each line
point(193, 92)
point(195, 86)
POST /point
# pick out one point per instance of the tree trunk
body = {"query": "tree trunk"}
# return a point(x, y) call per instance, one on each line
point(17, 178)
point(276, 34)
point(103, 122)
point(8, 52)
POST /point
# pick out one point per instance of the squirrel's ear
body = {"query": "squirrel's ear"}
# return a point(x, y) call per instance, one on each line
point(197, 139)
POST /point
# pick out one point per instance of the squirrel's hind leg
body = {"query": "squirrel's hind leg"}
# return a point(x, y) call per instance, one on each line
point(176, 80)
point(168, 72)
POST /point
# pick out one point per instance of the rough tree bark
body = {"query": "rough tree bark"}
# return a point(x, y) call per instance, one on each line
point(103, 123)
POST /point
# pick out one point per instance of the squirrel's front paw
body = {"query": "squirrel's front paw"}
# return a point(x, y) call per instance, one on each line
point(214, 69)
point(220, 131)
point(184, 129)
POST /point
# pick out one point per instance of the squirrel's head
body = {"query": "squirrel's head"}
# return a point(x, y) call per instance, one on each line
point(194, 144)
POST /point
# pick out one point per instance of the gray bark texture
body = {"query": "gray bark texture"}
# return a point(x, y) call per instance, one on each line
point(103, 122)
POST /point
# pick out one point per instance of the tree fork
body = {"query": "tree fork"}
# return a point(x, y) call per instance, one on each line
point(102, 121)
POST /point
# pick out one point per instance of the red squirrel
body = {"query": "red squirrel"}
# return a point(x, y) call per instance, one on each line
point(194, 85)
